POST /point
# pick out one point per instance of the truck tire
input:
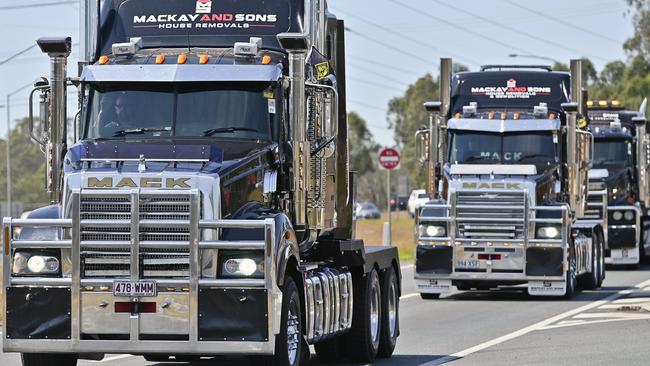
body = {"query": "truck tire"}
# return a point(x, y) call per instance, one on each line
point(45, 359)
point(389, 314)
point(363, 339)
point(571, 280)
point(590, 281)
point(429, 296)
point(601, 261)
point(288, 344)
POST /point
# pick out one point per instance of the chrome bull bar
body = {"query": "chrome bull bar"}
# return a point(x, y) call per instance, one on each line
point(194, 246)
point(530, 220)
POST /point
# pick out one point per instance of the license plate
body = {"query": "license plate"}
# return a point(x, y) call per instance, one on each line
point(468, 263)
point(134, 289)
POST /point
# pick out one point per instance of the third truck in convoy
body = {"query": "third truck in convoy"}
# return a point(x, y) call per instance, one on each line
point(507, 162)
point(619, 187)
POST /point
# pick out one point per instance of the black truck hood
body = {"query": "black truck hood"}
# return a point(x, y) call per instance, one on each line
point(208, 157)
point(618, 184)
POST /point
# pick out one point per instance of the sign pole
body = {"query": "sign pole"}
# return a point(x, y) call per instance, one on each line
point(390, 228)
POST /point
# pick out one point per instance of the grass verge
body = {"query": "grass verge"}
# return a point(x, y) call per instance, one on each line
point(371, 231)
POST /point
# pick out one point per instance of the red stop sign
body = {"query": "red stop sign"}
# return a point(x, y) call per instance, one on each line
point(389, 159)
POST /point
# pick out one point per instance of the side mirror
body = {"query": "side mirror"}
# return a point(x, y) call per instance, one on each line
point(433, 107)
point(422, 145)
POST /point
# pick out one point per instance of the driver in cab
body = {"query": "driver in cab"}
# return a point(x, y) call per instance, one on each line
point(115, 117)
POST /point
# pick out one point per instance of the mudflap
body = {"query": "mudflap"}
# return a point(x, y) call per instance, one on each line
point(425, 286)
point(623, 256)
point(547, 288)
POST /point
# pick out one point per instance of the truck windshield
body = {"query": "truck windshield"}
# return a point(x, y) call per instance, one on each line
point(510, 148)
point(217, 110)
point(612, 153)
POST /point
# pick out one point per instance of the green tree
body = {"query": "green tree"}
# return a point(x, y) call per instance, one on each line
point(405, 116)
point(639, 43)
point(362, 145)
point(28, 169)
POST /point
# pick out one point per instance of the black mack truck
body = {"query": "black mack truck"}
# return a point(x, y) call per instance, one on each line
point(620, 175)
point(202, 199)
point(507, 164)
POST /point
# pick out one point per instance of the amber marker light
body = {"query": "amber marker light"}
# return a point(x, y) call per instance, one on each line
point(616, 103)
point(491, 115)
point(516, 116)
point(602, 103)
point(457, 115)
point(266, 60)
point(590, 103)
point(204, 59)
point(551, 116)
point(182, 59)
point(103, 60)
point(160, 59)
point(504, 115)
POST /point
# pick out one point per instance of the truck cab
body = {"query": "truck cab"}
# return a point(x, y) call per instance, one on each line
point(508, 169)
point(202, 199)
point(620, 171)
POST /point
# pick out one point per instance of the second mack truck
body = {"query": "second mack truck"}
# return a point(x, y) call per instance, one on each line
point(202, 203)
point(507, 166)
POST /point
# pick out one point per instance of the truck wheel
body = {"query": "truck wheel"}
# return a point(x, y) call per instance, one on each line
point(591, 278)
point(363, 339)
point(389, 314)
point(288, 345)
point(43, 359)
point(571, 277)
point(601, 260)
point(429, 296)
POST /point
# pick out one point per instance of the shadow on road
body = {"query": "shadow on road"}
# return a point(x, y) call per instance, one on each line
point(398, 360)
point(509, 294)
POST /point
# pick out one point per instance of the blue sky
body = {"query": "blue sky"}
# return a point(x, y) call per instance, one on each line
point(391, 43)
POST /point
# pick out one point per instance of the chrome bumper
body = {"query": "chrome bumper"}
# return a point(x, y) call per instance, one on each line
point(136, 323)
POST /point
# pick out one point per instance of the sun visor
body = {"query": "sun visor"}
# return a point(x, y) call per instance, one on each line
point(477, 169)
point(181, 73)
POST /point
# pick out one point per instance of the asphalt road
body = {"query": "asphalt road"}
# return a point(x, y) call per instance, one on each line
point(605, 327)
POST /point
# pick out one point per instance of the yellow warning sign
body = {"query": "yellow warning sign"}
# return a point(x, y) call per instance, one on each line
point(323, 70)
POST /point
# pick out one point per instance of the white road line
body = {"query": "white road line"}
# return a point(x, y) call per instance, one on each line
point(531, 328)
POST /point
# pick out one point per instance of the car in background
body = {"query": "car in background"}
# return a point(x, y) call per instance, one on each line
point(367, 210)
point(417, 197)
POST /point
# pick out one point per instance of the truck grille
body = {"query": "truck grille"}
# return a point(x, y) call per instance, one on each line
point(115, 262)
point(490, 215)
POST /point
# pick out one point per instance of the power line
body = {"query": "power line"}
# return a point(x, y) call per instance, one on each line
point(571, 25)
point(28, 6)
point(414, 40)
point(390, 46)
point(381, 74)
point(376, 63)
point(514, 30)
point(17, 54)
point(374, 83)
point(442, 20)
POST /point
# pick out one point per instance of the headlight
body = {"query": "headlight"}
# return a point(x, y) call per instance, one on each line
point(435, 231)
point(629, 215)
point(35, 264)
point(241, 265)
point(548, 232)
point(617, 215)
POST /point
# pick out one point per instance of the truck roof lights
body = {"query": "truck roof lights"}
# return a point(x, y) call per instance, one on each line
point(470, 110)
point(551, 116)
point(541, 110)
point(602, 103)
point(128, 48)
point(203, 59)
point(266, 60)
point(504, 116)
point(160, 59)
point(181, 59)
point(248, 49)
point(103, 60)
point(516, 116)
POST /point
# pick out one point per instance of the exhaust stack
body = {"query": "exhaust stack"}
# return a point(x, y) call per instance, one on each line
point(58, 49)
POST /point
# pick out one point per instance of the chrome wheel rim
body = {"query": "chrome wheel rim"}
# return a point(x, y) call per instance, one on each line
point(392, 309)
point(293, 336)
point(374, 311)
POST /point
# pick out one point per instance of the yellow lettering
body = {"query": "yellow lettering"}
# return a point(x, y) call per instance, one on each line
point(180, 183)
point(126, 182)
point(151, 182)
point(100, 183)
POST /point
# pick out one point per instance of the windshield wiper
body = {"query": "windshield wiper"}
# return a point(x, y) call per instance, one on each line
point(215, 131)
point(135, 131)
